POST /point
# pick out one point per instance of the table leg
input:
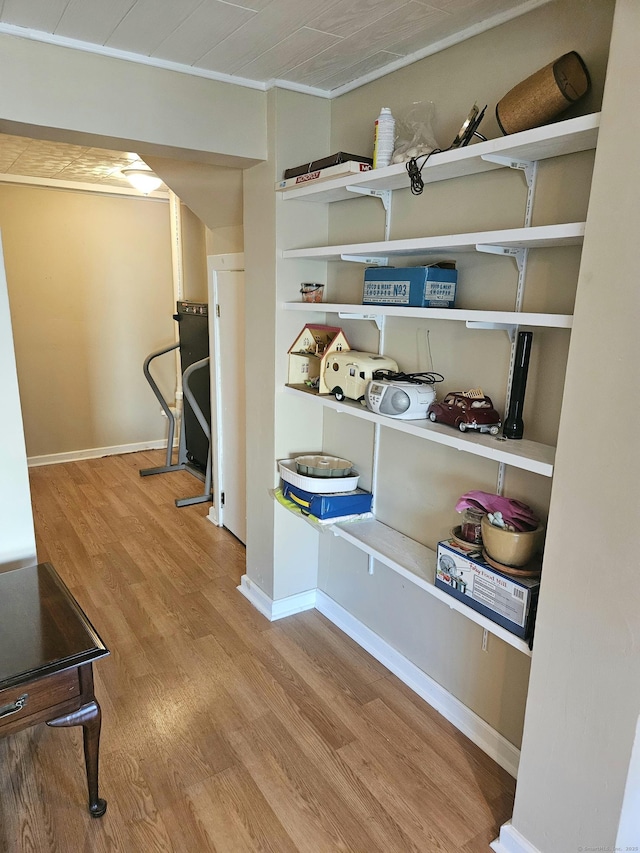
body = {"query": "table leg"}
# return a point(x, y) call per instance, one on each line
point(89, 716)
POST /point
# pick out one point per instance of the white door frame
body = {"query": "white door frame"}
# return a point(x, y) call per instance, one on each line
point(230, 262)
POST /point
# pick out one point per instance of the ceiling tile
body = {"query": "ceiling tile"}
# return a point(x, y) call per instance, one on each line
point(41, 158)
point(278, 20)
point(11, 147)
point(106, 153)
point(345, 19)
point(60, 150)
point(92, 22)
point(149, 23)
point(372, 39)
point(253, 5)
point(398, 25)
point(34, 14)
point(454, 6)
point(359, 69)
point(205, 27)
point(289, 52)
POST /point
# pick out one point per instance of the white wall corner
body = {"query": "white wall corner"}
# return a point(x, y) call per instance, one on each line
point(279, 608)
point(474, 727)
point(511, 841)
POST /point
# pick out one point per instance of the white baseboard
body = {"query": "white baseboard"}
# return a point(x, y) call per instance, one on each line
point(469, 723)
point(214, 516)
point(279, 608)
point(94, 453)
point(511, 841)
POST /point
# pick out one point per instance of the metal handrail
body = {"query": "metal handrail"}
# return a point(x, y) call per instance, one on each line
point(163, 403)
point(188, 393)
point(183, 464)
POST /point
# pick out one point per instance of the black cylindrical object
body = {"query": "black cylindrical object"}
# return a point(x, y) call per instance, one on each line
point(514, 425)
point(194, 346)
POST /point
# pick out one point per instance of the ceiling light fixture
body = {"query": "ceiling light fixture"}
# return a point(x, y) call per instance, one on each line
point(142, 178)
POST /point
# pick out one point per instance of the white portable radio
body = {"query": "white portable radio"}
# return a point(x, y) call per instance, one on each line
point(407, 400)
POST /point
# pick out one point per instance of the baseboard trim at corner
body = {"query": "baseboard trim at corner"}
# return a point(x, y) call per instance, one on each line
point(94, 453)
point(279, 608)
point(469, 723)
point(511, 841)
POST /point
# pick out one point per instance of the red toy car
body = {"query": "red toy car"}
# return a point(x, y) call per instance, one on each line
point(466, 412)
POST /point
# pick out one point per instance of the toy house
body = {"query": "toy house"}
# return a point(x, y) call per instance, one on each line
point(308, 353)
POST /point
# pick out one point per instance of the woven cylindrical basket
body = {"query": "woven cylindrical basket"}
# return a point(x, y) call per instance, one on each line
point(544, 95)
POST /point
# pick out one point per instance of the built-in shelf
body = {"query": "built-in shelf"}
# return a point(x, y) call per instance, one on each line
point(554, 321)
point(417, 564)
point(536, 237)
point(411, 560)
point(523, 454)
point(540, 143)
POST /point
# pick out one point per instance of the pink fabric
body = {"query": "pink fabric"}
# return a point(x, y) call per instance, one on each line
point(517, 514)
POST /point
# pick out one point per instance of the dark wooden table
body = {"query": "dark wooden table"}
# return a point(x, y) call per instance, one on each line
point(47, 649)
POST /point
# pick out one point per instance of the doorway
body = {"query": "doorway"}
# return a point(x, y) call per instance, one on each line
point(228, 409)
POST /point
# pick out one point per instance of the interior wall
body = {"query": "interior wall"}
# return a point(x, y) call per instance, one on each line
point(75, 96)
point(584, 699)
point(418, 482)
point(226, 240)
point(90, 288)
point(213, 193)
point(281, 552)
point(194, 256)
point(17, 537)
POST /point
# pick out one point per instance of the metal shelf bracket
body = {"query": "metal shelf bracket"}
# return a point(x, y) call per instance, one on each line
point(527, 167)
point(377, 318)
point(518, 255)
point(370, 260)
point(385, 197)
point(509, 328)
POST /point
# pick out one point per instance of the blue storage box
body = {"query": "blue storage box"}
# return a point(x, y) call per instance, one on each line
point(509, 601)
point(333, 505)
point(419, 287)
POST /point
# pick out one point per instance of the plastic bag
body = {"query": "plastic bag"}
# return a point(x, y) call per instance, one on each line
point(414, 133)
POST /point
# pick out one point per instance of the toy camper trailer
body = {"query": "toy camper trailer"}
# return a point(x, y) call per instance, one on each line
point(347, 374)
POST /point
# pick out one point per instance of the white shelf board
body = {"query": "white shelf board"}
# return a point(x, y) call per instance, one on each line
point(539, 236)
point(555, 321)
point(523, 454)
point(540, 143)
point(417, 564)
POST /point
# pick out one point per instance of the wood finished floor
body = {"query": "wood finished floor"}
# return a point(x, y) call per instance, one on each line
point(221, 731)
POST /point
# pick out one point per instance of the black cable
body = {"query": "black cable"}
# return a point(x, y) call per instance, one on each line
point(464, 136)
point(424, 378)
point(415, 173)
